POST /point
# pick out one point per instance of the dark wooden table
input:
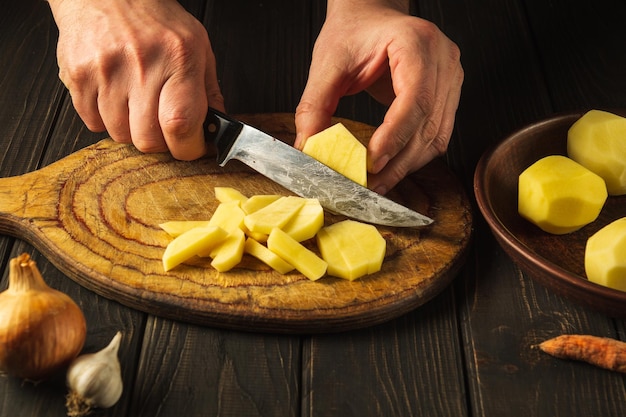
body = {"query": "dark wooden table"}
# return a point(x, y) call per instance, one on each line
point(467, 352)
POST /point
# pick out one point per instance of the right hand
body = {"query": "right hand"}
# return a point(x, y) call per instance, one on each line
point(143, 70)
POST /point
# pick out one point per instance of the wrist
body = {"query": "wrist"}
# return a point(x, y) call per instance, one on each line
point(334, 6)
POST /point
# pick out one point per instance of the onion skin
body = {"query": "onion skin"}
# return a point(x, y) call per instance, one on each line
point(41, 329)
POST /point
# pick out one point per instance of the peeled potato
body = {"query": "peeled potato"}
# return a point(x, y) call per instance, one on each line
point(351, 249)
point(276, 214)
point(605, 256)
point(338, 149)
point(304, 260)
point(559, 195)
point(190, 243)
point(598, 142)
point(306, 223)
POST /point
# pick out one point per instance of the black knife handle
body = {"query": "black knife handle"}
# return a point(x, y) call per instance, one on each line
point(222, 130)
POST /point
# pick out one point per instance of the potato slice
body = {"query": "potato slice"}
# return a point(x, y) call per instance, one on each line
point(605, 256)
point(256, 249)
point(352, 249)
point(307, 222)
point(559, 195)
point(338, 149)
point(228, 254)
point(190, 243)
point(226, 194)
point(228, 216)
point(176, 228)
point(303, 259)
point(258, 201)
point(276, 214)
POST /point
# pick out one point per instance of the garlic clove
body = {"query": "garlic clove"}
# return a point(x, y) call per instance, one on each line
point(95, 380)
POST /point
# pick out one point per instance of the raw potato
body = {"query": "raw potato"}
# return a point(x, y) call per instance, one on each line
point(338, 149)
point(226, 194)
point(229, 253)
point(307, 222)
point(254, 248)
point(257, 202)
point(598, 142)
point(228, 216)
point(190, 243)
point(559, 195)
point(351, 249)
point(304, 260)
point(605, 256)
point(274, 215)
point(178, 227)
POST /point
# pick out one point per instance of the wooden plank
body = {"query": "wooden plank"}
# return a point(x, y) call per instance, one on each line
point(410, 366)
point(580, 49)
point(30, 90)
point(194, 371)
point(262, 51)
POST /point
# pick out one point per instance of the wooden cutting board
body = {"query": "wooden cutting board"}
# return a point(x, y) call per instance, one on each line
point(95, 216)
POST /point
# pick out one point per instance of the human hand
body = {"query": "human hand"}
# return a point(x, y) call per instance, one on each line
point(143, 70)
point(404, 62)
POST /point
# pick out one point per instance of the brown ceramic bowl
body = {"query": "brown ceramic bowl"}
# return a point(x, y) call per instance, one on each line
point(555, 261)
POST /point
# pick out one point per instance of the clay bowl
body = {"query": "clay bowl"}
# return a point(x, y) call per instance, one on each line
point(556, 262)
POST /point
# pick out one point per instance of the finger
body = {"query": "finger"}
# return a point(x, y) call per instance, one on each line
point(113, 109)
point(182, 109)
point(408, 113)
point(143, 119)
point(416, 155)
point(85, 100)
point(213, 92)
point(214, 95)
point(400, 166)
point(318, 102)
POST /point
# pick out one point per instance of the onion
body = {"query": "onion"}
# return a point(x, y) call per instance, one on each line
point(41, 329)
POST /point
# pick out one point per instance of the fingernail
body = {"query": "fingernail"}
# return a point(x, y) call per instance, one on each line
point(296, 143)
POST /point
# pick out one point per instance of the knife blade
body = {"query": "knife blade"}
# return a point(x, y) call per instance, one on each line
point(302, 174)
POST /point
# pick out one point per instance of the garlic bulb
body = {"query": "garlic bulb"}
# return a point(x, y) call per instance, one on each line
point(41, 329)
point(95, 380)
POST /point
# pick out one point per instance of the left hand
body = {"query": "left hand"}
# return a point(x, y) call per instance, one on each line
point(404, 62)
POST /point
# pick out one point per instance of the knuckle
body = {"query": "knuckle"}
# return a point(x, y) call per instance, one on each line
point(177, 125)
point(440, 144)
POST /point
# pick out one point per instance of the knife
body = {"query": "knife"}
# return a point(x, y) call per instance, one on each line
point(302, 174)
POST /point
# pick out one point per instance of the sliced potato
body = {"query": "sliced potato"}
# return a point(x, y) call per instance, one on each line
point(274, 215)
point(338, 149)
point(306, 223)
point(226, 194)
point(304, 260)
point(228, 254)
point(258, 201)
point(190, 243)
point(176, 228)
point(256, 249)
point(228, 216)
point(352, 249)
